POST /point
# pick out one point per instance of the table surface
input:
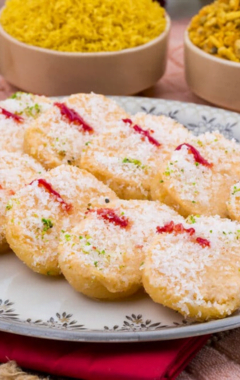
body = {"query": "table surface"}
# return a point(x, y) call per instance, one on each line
point(220, 359)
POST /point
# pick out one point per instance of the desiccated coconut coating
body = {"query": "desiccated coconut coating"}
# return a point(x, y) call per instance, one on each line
point(24, 109)
point(59, 137)
point(233, 204)
point(196, 188)
point(198, 280)
point(127, 159)
point(102, 256)
point(16, 170)
point(43, 210)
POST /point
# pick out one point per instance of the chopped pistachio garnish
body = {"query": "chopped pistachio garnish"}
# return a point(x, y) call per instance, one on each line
point(132, 161)
point(235, 190)
point(67, 237)
point(9, 206)
point(33, 111)
point(17, 95)
point(47, 224)
point(191, 219)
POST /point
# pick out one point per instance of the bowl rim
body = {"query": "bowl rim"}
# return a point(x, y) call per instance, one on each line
point(151, 43)
point(199, 51)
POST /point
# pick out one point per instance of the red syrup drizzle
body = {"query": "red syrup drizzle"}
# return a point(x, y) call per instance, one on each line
point(179, 229)
point(48, 187)
point(197, 156)
point(110, 215)
point(73, 117)
point(142, 132)
point(10, 115)
point(203, 242)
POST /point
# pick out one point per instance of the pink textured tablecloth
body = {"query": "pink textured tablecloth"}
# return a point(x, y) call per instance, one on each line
point(219, 360)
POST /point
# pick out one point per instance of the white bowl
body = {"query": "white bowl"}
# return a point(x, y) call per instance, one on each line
point(214, 79)
point(54, 73)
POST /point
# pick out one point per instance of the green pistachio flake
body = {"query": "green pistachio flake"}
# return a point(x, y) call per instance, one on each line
point(131, 161)
point(67, 237)
point(17, 95)
point(161, 181)
point(96, 263)
point(33, 111)
point(235, 190)
point(197, 163)
point(9, 206)
point(191, 219)
point(47, 224)
point(80, 237)
point(193, 201)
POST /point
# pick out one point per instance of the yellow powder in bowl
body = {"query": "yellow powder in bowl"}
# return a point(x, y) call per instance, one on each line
point(216, 29)
point(83, 25)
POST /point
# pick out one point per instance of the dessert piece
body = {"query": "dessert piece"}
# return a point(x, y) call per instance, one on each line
point(198, 176)
point(16, 170)
point(103, 256)
point(40, 212)
point(60, 136)
point(194, 267)
point(128, 157)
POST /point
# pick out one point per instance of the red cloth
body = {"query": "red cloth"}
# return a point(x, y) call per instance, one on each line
point(101, 361)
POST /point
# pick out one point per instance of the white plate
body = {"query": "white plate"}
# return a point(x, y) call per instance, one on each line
point(35, 305)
